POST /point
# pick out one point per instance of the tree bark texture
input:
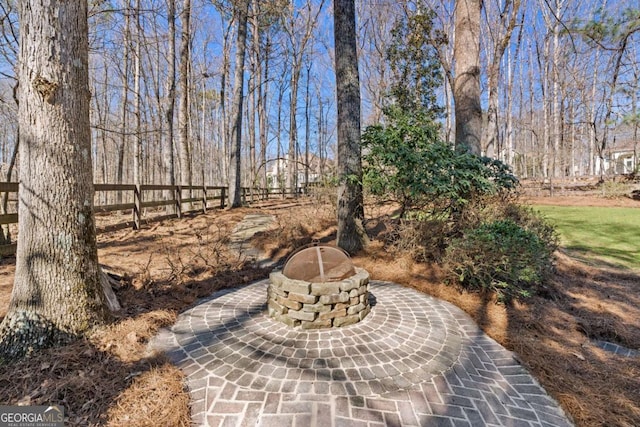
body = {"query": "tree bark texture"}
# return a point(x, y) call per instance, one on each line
point(261, 52)
point(350, 236)
point(57, 293)
point(292, 156)
point(466, 91)
point(183, 108)
point(556, 95)
point(137, 77)
point(171, 91)
point(235, 196)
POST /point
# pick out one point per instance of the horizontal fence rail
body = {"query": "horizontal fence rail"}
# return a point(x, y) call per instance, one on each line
point(142, 197)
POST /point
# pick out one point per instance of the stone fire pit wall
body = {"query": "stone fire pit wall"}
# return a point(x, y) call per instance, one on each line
point(319, 305)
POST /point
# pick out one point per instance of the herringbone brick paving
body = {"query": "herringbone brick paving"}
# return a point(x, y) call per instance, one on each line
point(414, 361)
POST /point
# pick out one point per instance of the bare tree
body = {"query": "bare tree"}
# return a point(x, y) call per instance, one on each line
point(183, 105)
point(171, 91)
point(500, 35)
point(351, 236)
point(124, 112)
point(299, 26)
point(224, 114)
point(137, 77)
point(264, 17)
point(376, 20)
point(57, 291)
point(261, 54)
point(235, 191)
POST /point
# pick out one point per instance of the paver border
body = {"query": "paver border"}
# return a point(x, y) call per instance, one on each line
point(481, 384)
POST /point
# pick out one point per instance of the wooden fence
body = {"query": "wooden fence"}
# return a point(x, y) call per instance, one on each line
point(199, 198)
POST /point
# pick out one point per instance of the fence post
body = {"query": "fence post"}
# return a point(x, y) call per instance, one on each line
point(137, 204)
point(204, 199)
point(222, 197)
point(178, 199)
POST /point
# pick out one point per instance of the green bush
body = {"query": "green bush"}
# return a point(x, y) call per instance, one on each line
point(406, 161)
point(510, 256)
point(456, 208)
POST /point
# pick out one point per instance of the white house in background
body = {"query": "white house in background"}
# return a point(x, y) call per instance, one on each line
point(621, 156)
point(617, 162)
point(281, 166)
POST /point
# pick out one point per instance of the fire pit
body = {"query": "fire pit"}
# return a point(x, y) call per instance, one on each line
point(319, 288)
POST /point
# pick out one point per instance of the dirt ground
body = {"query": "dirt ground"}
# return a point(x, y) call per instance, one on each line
point(110, 379)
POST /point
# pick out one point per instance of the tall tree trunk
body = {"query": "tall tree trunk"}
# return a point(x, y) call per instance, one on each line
point(157, 149)
point(292, 179)
point(171, 93)
point(124, 116)
point(57, 292)
point(307, 124)
point(235, 190)
point(137, 152)
point(224, 122)
point(321, 134)
point(203, 135)
point(591, 118)
point(298, 42)
point(449, 111)
point(183, 107)
point(350, 236)
point(251, 115)
point(620, 50)
point(546, 132)
point(279, 180)
point(260, 52)
point(511, 63)
point(572, 140)
point(490, 133)
point(262, 115)
point(520, 135)
point(535, 141)
point(466, 90)
point(508, 148)
point(558, 157)
point(257, 95)
point(635, 122)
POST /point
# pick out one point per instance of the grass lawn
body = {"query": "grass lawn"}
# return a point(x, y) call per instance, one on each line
point(598, 235)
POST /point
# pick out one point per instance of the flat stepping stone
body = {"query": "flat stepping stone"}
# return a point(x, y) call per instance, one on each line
point(616, 348)
point(240, 240)
point(413, 361)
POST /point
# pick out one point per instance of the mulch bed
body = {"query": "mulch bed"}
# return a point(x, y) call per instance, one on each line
point(109, 378)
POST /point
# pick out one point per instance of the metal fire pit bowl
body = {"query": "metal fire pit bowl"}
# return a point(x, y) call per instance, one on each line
point(319, 264)
point(318, 288)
